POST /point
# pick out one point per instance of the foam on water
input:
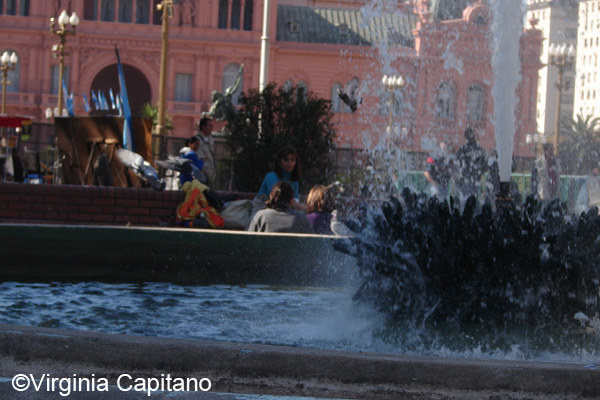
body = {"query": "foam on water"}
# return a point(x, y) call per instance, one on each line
point(303, 317)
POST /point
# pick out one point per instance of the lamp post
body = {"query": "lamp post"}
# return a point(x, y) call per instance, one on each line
point(59, 49)
point(167, 8)
point(7, 63)
point(562, 58)
point(391, 83)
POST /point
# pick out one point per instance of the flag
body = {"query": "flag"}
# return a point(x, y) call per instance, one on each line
point(95, 100)
point(86, 105)
point(112, 100)
point(127, 124)
point(68, 100)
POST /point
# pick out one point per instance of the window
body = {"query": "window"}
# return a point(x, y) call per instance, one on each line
point(108, 10)
point(90, 10)
point(142, 11)
point(248, 15)
point(475, 103)
point(11, 7)
point(232, 11)
point(236, 13)
point(125, 8)
point(54, 84)
point(444, 107)
point(183, 87)
point(223, 11)
point(288, 85)
point(230, 73)
point(24, 8)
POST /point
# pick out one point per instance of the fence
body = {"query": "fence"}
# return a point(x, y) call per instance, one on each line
point(569, 185)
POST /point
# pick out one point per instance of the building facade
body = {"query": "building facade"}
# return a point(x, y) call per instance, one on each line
point(558, 21)
point(587, 83)
point(439, 47)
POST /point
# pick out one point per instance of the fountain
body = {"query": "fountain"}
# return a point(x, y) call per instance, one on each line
point(451, 279)
point(521, 275)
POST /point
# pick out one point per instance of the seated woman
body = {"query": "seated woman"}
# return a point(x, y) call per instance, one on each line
point(190, 153)
point(279, 216)
point(320, 206)
point(287, 168)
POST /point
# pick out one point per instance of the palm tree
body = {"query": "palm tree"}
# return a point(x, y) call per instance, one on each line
point(580, 148)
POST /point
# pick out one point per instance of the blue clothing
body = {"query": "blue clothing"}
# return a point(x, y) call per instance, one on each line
point(271, 179)
point(183, 178)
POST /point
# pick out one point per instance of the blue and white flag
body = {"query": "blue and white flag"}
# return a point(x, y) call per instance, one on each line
point(86, 105)
point(68, 100)
point(113, 106)
point(95, 100)
point(127, 125)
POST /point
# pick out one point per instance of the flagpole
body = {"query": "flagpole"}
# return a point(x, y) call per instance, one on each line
point(166, 7)
point(264, 48)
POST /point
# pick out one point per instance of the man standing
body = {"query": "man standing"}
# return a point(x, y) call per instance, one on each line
point(472, 164)
point(206, 149)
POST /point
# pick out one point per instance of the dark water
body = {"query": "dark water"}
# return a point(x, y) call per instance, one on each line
point(302, 317)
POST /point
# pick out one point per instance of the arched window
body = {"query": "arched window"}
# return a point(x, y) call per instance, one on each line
point(302, 90)
point(223, 12)
point(475, 100)
point(236, 14)
point(13, 76)
point(336, 102)
point(444, 107)
point(288, 85)
point(248, 15)
point(230, 73)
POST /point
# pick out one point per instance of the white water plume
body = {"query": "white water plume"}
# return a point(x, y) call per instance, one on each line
point(507, 28)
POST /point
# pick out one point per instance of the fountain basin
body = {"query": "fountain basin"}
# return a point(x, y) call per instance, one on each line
point(180, 255)
point(250, 368)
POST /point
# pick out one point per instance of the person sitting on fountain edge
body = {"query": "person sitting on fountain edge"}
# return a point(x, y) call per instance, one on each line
point(589, 194)
point(189, 152)
point(279, 216)
point(472, 164)
point(288, 169)
point(439, 172)
point(320, 206)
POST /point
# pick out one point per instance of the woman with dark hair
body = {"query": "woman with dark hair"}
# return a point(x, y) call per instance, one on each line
point(279, 216)
point(287, 168)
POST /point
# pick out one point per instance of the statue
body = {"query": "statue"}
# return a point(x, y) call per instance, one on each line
point(187, 11)
point(222, 105)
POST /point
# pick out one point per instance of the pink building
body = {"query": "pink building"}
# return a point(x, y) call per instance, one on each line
point(440, 48)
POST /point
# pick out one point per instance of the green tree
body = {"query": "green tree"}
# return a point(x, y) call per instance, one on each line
point(579, 149)
point(286, 117)
point(150, 111)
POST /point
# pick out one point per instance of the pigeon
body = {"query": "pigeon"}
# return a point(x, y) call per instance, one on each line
point(348, 95)
point(141, 168)
point(183, 165)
